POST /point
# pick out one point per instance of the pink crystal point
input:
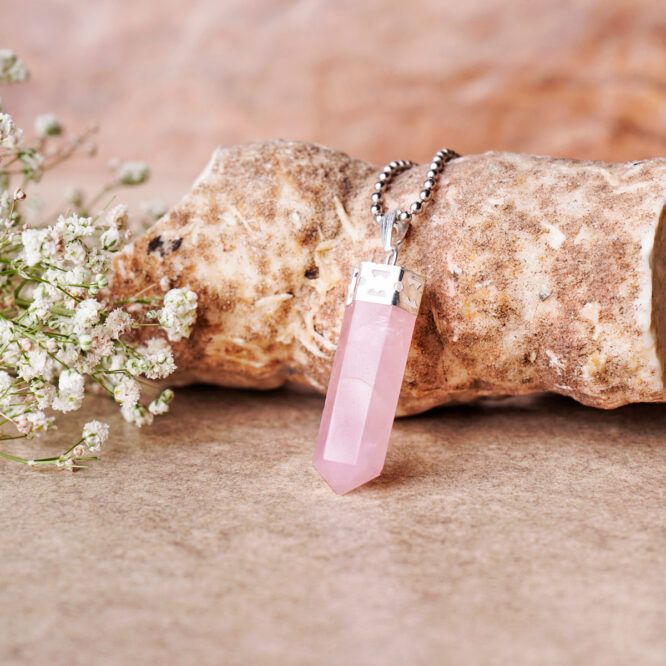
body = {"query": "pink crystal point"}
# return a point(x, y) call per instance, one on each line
point(363, 392)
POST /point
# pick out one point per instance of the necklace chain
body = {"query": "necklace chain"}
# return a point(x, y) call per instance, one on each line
point(394, 225)
point(392, 169)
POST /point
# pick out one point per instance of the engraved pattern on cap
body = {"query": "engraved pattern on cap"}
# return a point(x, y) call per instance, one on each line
point(386, 284)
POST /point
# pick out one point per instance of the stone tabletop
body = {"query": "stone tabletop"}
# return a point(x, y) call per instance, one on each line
point(514, 532)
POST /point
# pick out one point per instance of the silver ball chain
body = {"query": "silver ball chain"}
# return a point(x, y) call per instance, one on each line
point(394, 225)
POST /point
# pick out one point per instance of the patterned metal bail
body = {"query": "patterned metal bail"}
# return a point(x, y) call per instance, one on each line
point(392, 231)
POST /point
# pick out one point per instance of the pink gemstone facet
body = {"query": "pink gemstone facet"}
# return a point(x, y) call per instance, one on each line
point(362, 395)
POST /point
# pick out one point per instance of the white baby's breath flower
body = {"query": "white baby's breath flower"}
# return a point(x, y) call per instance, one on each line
point(11, 137)
point(138, 415)
point(160, 365)
point(32, 364)
point(6, 203)
point(33, 163)
point(69, 279)
point(48, 124)
point(101, 281)
point(12, 68)
point(161, 404)
point(136, 366)
point(11, 354)
point(65, 463)
point(95, 433)
point(44, 392)
point(102, 345)
point(22, 424)
point(98, 282)
point(86, 315)
point(74, 227)
point(178, 313)
point(117, 217)
point(133, 173)
point(155, 346)
point(68, 354)
point(78, 451)
point(117, 323)
point(97, 261)
point(70, 391)
point(110, 239)
point(116, 361)
point(33, 245)
point(37, 313)
point(127, 393)
point(7, 332)
point(85, 341)
point(157, 407)
point(33, 423)
point(6, 382)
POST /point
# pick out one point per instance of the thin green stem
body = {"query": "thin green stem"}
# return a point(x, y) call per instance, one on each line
point(14, 458)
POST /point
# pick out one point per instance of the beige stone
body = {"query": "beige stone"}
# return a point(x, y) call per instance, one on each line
point(539, 272)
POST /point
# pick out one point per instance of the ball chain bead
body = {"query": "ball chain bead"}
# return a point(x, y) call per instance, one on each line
point(388, 172)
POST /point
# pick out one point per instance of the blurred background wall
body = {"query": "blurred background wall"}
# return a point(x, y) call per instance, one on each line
point(168, 80)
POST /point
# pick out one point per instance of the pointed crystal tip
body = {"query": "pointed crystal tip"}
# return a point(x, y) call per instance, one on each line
point(344, 478)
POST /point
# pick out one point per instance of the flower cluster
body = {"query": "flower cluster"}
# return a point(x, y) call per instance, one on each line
point(59, 332)
point(178, 314)
point(12, 68)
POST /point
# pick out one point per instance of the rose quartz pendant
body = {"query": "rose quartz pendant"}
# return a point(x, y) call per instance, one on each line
point(366, 377)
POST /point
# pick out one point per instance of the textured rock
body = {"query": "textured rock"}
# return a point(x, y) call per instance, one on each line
point(539, 272)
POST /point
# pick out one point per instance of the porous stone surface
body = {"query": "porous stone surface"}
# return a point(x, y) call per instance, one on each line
point(539, 272)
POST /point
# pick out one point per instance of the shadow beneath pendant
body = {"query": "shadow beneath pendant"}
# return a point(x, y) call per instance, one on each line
point(493, 441)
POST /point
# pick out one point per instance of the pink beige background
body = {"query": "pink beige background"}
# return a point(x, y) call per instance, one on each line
point(380, 79)
point(523, 532)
